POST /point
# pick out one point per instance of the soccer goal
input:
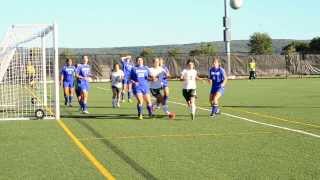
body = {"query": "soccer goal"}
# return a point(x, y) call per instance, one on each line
point(29, 73)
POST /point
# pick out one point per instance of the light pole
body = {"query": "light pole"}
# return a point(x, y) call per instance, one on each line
point(235, 4)
point(227, 34)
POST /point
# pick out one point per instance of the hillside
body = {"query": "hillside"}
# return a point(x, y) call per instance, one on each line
point(236, 46)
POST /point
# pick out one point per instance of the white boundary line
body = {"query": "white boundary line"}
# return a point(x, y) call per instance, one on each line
point(249, 120)
point(257, 122)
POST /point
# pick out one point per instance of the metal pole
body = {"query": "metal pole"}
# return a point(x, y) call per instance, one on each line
point(44, 71)
point(227, 34)
point(56, 71)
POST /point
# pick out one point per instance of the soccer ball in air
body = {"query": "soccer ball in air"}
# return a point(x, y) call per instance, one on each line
point(236, 4)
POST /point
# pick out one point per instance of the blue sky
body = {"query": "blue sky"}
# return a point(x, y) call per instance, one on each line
point(116, 23)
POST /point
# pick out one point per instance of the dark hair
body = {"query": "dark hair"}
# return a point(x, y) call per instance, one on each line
point(114, 66)
point(137, 58)
point(190, 61)
point(68, 59)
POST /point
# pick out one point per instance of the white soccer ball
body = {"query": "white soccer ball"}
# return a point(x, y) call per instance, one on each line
point(236, 4)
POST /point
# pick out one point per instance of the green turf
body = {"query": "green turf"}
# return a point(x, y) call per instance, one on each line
point(223, 148)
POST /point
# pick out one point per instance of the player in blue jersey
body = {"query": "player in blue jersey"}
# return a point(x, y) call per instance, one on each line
point(139, 77)
point(218, 79)
point(127, 65)
point(83, 75)
point(67, 81)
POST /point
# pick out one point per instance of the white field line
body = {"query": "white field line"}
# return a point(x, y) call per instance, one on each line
point(250, 120)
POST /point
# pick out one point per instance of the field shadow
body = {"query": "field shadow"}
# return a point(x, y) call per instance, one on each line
point(132, 163)
point(102, 116)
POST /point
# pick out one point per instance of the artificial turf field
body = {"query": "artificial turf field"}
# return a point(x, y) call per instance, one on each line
point(270, 129)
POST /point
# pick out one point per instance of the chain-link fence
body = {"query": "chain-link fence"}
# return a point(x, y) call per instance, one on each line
point(266, 65)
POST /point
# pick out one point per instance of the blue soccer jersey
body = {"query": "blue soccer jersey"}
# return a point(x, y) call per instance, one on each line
point(84, 72)
point(139, 75)
point(217, 76)
point(68, 73)
point(126, 67)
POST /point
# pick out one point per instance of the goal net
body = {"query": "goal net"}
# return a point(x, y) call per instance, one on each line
point(29, 73)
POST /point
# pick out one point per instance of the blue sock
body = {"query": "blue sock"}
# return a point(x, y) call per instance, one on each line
point(165, 100)
point(149, 107)
point(139, 107)
point(70, 99)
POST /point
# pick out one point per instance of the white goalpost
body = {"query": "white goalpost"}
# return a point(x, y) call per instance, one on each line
point(29, 73)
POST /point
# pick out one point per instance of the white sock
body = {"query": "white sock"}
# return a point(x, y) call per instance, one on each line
point(113, 102)
point(193, 108)
point(165, 109)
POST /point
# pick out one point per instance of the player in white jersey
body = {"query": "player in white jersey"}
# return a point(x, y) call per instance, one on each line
point(156, 75)
point(116, 77)
point(189, 77)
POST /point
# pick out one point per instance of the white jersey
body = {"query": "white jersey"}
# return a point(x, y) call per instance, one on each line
point(189, 76)
point(158, 73)
point(116, 78)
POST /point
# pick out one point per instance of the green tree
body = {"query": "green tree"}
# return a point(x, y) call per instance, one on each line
point(195, 52)
point(147, 53)
point(260, 43)
point(208, 49)
point(174, 53)
point(315, 44)
point(66, 54)
point(295, 47)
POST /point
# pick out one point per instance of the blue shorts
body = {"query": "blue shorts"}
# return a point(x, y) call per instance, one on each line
point(84, 86)
point(126, 81)
point(215, 90)
point(68, 84)
point(141, 90)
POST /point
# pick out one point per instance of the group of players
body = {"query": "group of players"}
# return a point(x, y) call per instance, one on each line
point(134, 78)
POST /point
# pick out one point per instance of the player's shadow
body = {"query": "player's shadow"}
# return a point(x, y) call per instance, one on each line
point(102, 116)
point(271, 107)
point(137, 167)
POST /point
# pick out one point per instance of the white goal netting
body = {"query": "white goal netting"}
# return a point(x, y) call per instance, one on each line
point(29, 73)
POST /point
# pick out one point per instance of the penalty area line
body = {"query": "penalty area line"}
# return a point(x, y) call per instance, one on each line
point(250, 120)
point(257, 122)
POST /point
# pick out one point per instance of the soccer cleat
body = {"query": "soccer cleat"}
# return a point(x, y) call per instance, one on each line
point(118, 105)
point(69, 105)
point(85, 112)
point(140, 117)
point(130, 101)
point(212, 115)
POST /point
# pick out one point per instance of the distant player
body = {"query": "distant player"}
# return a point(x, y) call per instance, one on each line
point(140, 85)
point(164, 82)
point(76, 86)
point(189, 77)
point(127, 66)
point(83, 75)
point(157, 73)
point(218, 79)
point(31, 73)
point(116, 78)
point(252, 68)
point(67, 81)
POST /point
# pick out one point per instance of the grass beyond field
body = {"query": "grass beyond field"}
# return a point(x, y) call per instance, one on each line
point(270, 129)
